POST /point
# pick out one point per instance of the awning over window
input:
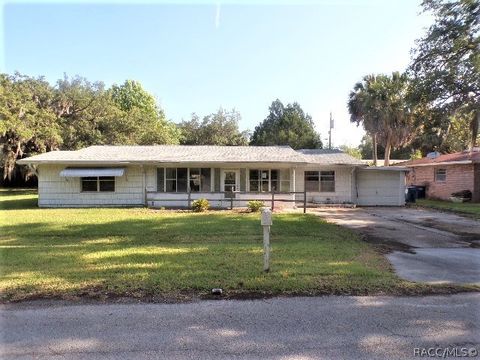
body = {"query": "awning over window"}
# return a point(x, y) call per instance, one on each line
point(87, 172)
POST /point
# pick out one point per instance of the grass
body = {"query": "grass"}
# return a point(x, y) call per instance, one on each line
point(470, 209)
point(155, 254)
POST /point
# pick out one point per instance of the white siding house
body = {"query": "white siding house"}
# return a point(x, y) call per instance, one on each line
point(174, 176)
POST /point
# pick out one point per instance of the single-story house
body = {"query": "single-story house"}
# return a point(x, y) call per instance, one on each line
point(445, 174)
point(175, 175)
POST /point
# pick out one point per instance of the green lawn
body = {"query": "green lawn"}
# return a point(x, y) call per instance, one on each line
point(471, 209)
point(104, 253)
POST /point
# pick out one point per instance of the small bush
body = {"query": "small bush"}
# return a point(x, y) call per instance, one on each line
point(200, 205)
point(466, 194)
point(255, 205)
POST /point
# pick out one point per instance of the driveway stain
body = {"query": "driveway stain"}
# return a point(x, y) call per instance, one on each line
point(422, 245)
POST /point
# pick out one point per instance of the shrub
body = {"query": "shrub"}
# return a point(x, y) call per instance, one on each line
point(255, 205)
point(200, 205)
point(466, 194)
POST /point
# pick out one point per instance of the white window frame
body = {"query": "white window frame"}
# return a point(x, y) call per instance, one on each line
point(188, 179)
point(97, 181)
point(319, 174)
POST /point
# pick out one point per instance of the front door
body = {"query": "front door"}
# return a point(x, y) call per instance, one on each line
point(231, 181)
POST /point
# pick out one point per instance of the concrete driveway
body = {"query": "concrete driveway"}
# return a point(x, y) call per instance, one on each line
point(422, 245)
point(330, 327)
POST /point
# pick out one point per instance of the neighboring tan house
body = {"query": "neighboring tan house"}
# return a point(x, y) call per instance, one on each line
point(443, 175)
point(175, 175)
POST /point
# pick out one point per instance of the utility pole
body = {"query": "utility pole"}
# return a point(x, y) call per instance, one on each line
point(330, 132)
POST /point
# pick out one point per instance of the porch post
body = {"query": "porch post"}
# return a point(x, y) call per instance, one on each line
point(144, 185)
point(293, 186)
point(212, 179)
point(292, 180)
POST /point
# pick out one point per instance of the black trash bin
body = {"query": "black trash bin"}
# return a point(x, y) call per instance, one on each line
point(421, 192)
point(411, 194)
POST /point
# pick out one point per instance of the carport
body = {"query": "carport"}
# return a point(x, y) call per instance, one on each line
point(380, 186)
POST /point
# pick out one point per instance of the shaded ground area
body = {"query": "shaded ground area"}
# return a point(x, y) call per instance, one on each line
point(428, 246)
point(288, 328)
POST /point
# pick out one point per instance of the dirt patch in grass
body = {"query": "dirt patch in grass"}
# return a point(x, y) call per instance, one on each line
point(386, 246)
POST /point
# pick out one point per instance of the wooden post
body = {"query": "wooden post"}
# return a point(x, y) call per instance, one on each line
point(266, 248)
point(189, 199)
point(231, 201)
point(273, 199)
point(266, 222)
point(304, 201)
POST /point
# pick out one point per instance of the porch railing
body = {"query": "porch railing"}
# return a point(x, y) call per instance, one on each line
point(230, 197)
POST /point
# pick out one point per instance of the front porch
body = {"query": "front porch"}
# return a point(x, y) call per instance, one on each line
point(223, 185)
point(224, 200)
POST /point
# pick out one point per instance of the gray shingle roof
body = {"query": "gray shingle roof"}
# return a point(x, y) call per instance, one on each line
point(171, 153)
point(329, 157)
point(105, 154)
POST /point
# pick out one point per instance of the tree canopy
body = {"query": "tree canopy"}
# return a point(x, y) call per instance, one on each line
point(381, 104)
point(220, 128)
point(36, 117)
point(287, 125)
point(446, 62)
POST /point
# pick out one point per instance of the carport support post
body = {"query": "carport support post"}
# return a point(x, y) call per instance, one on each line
point(266, 223)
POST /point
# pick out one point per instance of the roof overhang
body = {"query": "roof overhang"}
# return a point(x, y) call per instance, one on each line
point(112, 163)
point(385, 168)
point(89, 172)
point(462, 162)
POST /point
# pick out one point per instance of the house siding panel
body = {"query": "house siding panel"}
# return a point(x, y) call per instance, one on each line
point(57, 191)
point(343, 185)
point(459, 177)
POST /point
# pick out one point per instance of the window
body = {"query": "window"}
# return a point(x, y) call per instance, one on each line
point(98, 183)
point(170, 180)
point(323, 181)
point(89, 184)
point(176, 179)
point(275, 184)
point(200, 180)
point(195, 180)
point(160, 179)
point(183, 179)
point(311, 181)
point(254, 180)
point(327, 181)
point(206, 179)
point(264, 180)
point(259, 180)
point(440, 175)
point(280, 180)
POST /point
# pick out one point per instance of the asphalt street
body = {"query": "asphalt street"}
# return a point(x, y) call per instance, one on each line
point(280, 328)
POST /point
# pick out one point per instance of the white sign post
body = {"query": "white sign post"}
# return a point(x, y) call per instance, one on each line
point(266, 223)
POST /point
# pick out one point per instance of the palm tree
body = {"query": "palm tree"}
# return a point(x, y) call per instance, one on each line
point(380, 103)
point(363, 108)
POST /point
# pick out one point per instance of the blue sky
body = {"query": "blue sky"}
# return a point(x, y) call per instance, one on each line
point(197, 57)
